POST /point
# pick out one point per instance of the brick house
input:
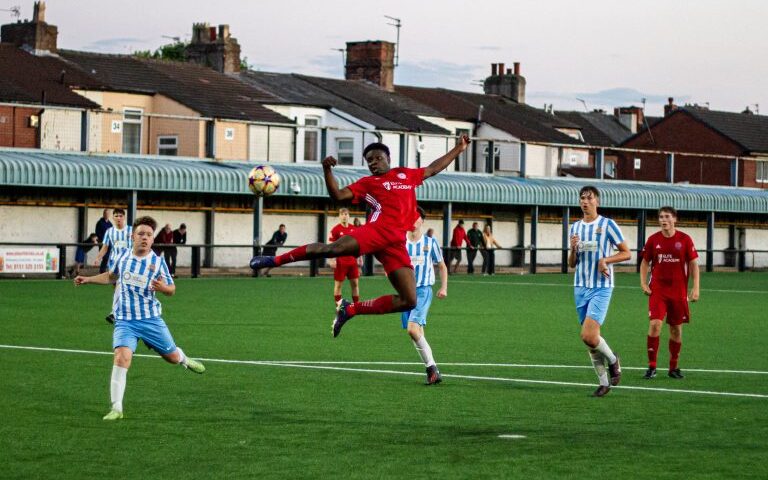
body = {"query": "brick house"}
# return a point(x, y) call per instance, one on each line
point(739, 140)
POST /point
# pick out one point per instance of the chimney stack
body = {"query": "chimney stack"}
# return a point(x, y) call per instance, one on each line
point(373, 61)
point(36, 36)
point(220, 52)
point(631, 117)
point(670, 106)
point(507, 83)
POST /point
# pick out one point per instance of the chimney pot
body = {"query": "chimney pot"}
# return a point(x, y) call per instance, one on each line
point(509, 71)
point(501, 69)
point(493, 69)
point(517, 68)
point(671, 101)
point(212, 34)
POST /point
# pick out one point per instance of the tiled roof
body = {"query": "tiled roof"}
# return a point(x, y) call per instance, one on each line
point(520, 120)
point(390, 105)
point(289, 89)
point(748, 130)
point(597, 128)
point(202, 89)
point(25, 77)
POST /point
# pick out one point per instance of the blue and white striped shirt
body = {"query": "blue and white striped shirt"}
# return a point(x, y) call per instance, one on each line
point(597, 240)
point(133, 298)
point(425, 254)
point(119, 241)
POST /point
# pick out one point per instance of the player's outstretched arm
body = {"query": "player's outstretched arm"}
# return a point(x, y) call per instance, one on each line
point(443, 162)
point(332, 184)
point(105, 278)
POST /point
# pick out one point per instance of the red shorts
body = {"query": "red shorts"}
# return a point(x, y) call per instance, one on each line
point(385, 243)
point(346, 267)
point(674, 308)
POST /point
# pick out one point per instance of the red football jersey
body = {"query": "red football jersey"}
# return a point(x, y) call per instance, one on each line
point(336, 233)
point(668, 258)
point(392, 196)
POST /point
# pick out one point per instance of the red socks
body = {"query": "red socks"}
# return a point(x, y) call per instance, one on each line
point(355, 298)
point(337, 298)
point(376, 306)
point(674, 354)
point(653, 350)
point(295, 255)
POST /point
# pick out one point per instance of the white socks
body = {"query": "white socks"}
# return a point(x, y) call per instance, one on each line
point(598, 361)
point(182, 357)
point(606, 351)
point(425, 351)
point(117, 387)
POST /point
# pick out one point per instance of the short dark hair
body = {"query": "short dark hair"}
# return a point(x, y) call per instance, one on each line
point(461, 222)
point(282, 225)
point(118, 210)
point(668, 209)
point(183, 226)
point(422, 213)
point(376, 146)
point(589, 189)
point(148, 221)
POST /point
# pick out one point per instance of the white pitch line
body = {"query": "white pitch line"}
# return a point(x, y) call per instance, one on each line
point(502, 365)
point(278, 363)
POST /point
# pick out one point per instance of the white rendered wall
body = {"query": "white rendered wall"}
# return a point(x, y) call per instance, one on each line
point(60, 129)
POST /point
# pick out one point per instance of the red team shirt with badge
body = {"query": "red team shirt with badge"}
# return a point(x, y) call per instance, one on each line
point(392, 201)
point(668, 259)
point(336, 233)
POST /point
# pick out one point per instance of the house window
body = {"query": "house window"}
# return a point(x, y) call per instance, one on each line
point(609, 169)
point(762, 172)
point(132, 130)
point(168, 145)
point(311, 139)
point(345, 151)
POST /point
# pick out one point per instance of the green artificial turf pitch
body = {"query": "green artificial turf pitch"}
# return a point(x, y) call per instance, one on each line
point(282, 399)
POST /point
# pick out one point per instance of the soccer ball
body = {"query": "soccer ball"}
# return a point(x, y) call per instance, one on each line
point(263, 180)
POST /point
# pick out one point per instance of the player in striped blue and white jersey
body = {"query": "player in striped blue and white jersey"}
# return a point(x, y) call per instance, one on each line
point(117, 239)
point(425, 255)
point(593, 240)
point(138, 274)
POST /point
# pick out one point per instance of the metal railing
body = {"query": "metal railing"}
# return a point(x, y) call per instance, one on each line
point(200, 259)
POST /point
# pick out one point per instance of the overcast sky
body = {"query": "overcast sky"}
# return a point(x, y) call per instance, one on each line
point(605, 52)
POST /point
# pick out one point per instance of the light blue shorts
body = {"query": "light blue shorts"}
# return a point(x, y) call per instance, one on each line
point(419, 314)
point(592, 303)
point(153, 331)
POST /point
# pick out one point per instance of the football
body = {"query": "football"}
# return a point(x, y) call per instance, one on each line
point(263, 180)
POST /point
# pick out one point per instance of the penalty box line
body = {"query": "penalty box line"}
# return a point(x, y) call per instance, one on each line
point(399, 372)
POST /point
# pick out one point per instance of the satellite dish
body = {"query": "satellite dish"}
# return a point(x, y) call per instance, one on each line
point(421, 147)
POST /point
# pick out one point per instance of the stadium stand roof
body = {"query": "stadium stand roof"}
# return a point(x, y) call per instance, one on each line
point(35, 168)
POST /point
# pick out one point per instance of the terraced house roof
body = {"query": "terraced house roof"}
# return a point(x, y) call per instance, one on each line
point(35, 168)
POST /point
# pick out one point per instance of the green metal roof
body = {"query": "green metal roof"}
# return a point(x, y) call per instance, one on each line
point(36, 168)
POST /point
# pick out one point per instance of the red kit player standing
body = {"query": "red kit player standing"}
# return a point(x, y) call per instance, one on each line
point(671, 258)
point(345, 267)
point(391, 195)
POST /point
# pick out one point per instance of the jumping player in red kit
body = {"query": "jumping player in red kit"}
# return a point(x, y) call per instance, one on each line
point(391, 195)
point(345, 267)
point(671, 258)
